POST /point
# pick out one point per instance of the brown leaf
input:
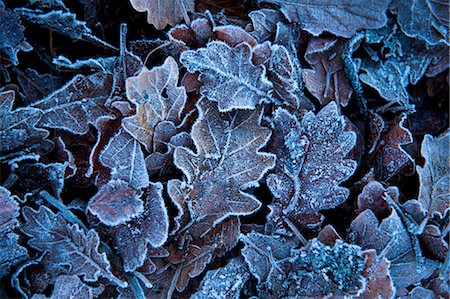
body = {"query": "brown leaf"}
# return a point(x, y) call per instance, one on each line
point(327, 80)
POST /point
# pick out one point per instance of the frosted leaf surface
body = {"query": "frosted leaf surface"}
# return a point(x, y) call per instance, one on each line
point(77, 104)
point(116, 203)
point(124, 156)
point(17, 127)
point(225, 282)
point(228, 75)
point(319, 271)
point(68, 247)
point(150, 228)
point(327, 80)
point(337, 17)
point(157, 98)
point(435, 174)
point(311, 163)
point(70, 286)
point(227, 161)
point(161, 13)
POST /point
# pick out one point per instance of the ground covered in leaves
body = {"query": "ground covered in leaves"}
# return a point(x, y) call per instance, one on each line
point(224, 149)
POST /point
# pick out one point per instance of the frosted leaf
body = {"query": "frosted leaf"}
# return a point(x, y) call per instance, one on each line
point(378, 278)
point(197, 34)
point(69, 249)
point(12, 39)
point(433, 240)
point(372, 197)
point(161, 13)
point(227, 161)
point(318, 271)
point(234, 35)
point(149, 228)
point(264, 23)
point(225, 282)
point(391, 239)
point(228, 75)
point(283, 75)
point(11, 253)
point(263, 253)
point(70, 286)
point(334, 16)
point(124, 156)
point(311, 163)
point(18, 126)
point(157, 98)
point(116, 203)
point(40, 176)
point(77, 104)
point(327, 80)
point(434, 176)
point(389, 80)
point(423, 18)
point(391, 158)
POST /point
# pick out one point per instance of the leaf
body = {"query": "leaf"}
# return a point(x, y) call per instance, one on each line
point(225, 282)
point(263, 253)
point(12, 39)
point(124, 156)
point(17, 127)
point(390, 157)
point(77, 104)
point(341, 19)
point(164, 12)
point(311, 163)
point(39, 176)
point(147, 91)
point(434, 176)
point(70, 286)
point(234, 35)
point(264, 23)
point(423, 18)
point(236, 84)
point(149, 228)
point(69, 249)
point(376, 271)
point(227, 158)
point(327, 80)
point(390, 81)
point(318, 271)
point(391, 238)
point(11, 253)
point(37, 86)
point(116, 203)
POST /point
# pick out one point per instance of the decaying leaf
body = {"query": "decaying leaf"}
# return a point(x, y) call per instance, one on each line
point(164, 12)
point(17, 127)
point(435, 174)
point(264, 23)
point(340, 18)
point(327, 80)
point(77, 104)
point(311, 164)
point(116, 203)
point(157, 98)
point(227, 161)
point(228, 75)
point(69, 249)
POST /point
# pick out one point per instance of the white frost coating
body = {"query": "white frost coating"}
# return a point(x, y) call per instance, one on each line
point(227, 161)
point(228, 75)
point(124, 156)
